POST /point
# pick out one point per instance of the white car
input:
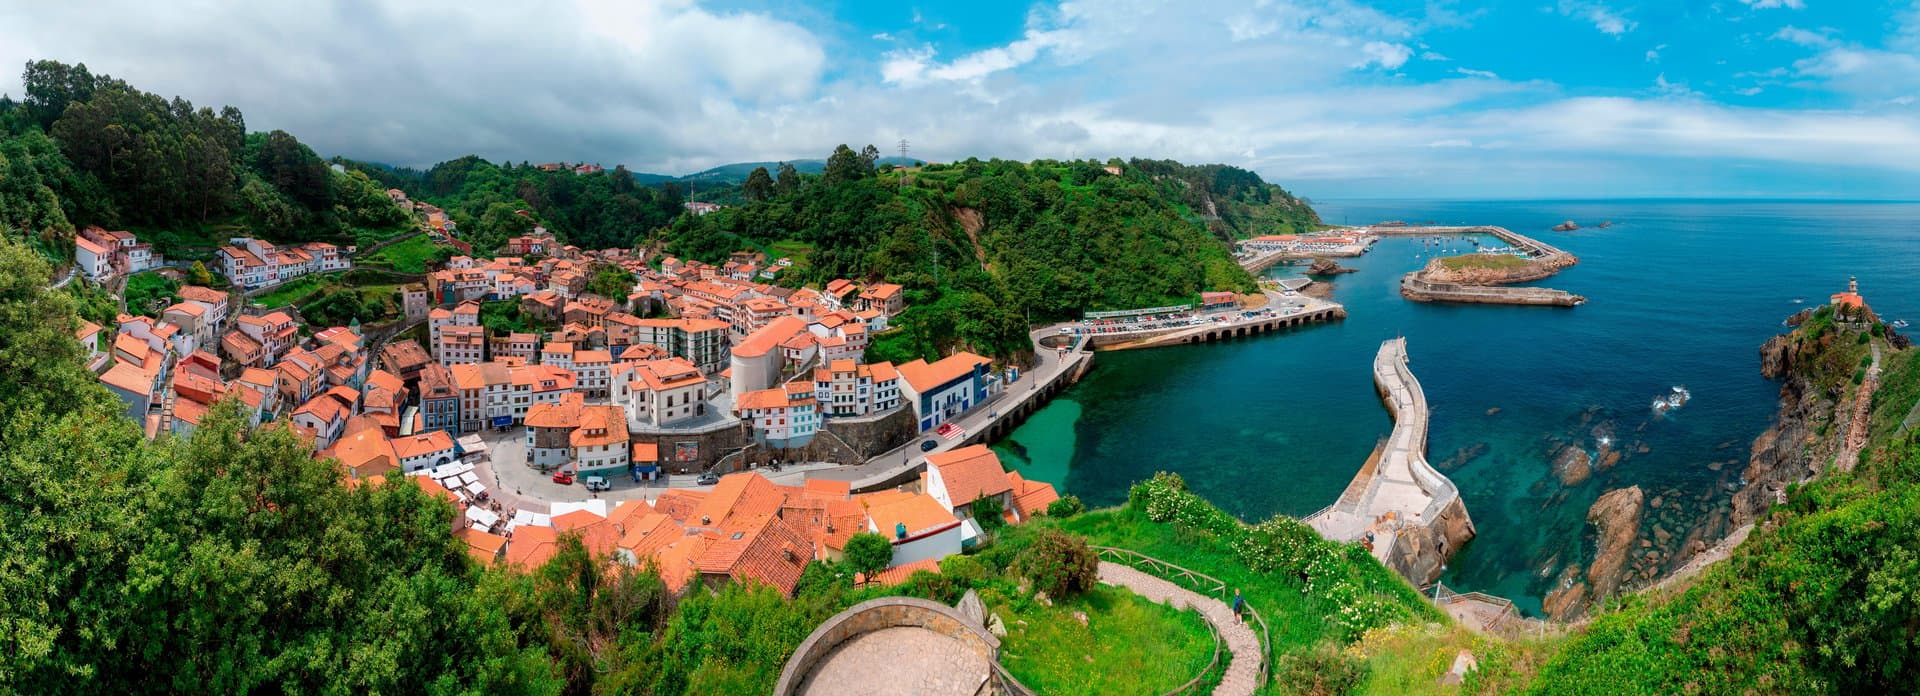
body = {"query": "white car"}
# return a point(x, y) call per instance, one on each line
point(597, 483)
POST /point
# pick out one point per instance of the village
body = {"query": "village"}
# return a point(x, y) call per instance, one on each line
point(655, 425)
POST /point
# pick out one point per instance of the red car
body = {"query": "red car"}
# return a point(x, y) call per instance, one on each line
point(563, 477)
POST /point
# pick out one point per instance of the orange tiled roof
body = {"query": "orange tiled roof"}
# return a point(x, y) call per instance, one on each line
point(970, 472)
point(927, 377)
point(761, 548)
point(769, 336)
point(1031, 497)
point(919, 512)
point(532, 546)
point(899, 574)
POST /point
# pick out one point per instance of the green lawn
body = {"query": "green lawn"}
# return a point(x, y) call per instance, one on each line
point(1128, 645)
point(1496, 262)
point(409, 256)
point(795, 250)
point(290, 291)
point(148, 292)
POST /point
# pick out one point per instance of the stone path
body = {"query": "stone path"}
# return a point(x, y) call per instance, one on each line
point(1243, 673)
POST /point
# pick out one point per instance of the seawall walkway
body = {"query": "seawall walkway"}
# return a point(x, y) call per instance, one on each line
point(1402, 492)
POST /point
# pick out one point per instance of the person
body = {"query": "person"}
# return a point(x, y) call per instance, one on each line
point(1239, 604)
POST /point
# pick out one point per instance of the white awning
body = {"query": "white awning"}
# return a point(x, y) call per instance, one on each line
point(482, 516)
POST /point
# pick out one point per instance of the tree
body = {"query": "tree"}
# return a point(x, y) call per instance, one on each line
point(199, 274)
point(611, 282)
point(869, 553)
point(38, 355)
point(988, 513)
point(759, 185)
point(788, 181)
point(1059, 564)
point(1066, 506)
point(846, 165)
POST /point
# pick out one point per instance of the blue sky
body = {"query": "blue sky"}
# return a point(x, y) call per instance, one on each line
point(1331, 98)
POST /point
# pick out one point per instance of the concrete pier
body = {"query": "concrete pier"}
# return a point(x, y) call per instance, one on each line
point(1313, 312)
point(1413, 511)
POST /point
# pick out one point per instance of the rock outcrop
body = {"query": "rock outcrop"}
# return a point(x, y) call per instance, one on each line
point(1322, 267)
point(1616, 516)
point(1567, 226)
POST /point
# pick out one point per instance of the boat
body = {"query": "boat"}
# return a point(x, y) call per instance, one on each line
point(1899, 323)
point(1799, 300)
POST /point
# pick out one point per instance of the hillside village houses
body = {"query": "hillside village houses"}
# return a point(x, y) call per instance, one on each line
point(253, 263)
point(102, 255)
point(780, 363)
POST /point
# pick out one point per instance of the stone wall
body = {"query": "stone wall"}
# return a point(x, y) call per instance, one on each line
point(713, 443)
point(876, 614)
point(874, 435)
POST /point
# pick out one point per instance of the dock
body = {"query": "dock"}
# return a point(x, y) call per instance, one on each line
point(1413, 512)
point(1309, 310)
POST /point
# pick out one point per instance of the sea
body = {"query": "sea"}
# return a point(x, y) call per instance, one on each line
point(1679, 293)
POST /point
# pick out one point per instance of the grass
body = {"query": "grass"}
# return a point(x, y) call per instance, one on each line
point(1294, 619)
point(1128, 645)
point(1899, 391)
point(1411, 659)
point(796, 250)
point(1492, 262)
point(409, 256)
point(289, 292)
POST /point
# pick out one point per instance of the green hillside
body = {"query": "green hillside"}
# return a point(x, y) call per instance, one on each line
point(985, 248)
point(82, 149)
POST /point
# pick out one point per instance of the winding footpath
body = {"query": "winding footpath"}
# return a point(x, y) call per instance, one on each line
point(1243, 673)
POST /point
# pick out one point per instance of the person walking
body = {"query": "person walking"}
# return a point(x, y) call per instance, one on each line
point(1239, 604)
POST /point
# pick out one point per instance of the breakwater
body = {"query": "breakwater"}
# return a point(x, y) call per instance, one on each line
point(1318, 311)
point(1543, 260)
point(1409, 512)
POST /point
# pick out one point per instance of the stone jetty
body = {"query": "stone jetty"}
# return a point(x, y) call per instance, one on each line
point(1412, 511)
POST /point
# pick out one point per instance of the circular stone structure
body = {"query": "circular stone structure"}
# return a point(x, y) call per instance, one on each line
point(893, 645)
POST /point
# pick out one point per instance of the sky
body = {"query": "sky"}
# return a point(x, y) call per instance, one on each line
point(1329, 98)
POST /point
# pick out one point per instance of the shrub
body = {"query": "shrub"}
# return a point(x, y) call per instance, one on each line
point(1060, 564)
point(966, 570)
point(1066, 506)
point(1321, 670)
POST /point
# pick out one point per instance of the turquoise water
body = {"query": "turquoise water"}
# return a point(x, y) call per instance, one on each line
point(1680, 293)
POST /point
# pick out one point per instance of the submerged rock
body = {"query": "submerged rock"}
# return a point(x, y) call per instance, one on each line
point(1573, 466)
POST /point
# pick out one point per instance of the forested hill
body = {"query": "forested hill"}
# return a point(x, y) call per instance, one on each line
point(987, 247)
point(601, 210)
point(82, 149)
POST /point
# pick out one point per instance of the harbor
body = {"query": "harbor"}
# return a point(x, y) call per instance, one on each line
point(1434, 283)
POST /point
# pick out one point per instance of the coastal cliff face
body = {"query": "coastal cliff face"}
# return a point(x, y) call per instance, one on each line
point(1787, 451)
point(1616, 518)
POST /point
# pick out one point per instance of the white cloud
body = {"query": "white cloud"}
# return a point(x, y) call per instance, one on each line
point(1386, 55)
point(1451, 142)
point(1803, 37)
point(1771, 4)
point(1433, 56)
point(1477, 73)
point(1748, 92)
point(1606, 19)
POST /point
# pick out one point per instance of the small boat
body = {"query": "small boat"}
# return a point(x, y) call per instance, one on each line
point(1799, 300)
point(1899, 323)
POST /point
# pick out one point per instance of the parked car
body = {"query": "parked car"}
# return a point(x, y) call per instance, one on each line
point(709, 479)
point(928, 446)
point(564, 478)
point(597, 483)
